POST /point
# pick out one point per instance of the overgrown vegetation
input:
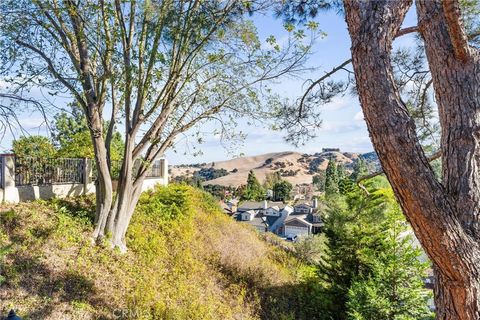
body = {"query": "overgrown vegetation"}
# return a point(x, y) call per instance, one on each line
point(370, 266)
point(186, 260)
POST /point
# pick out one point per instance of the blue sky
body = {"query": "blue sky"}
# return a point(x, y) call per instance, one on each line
point(343, 124)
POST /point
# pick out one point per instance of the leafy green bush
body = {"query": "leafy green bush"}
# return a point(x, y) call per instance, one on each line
point(186, 260)
point(34, 147)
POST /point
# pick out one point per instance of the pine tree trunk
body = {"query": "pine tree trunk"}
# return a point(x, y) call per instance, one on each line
point(444, 216)
point(454, 300)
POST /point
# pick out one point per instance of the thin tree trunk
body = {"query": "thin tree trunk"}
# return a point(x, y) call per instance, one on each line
point(104, 190)
point(124, 212)
point(126, 199)
point(124, 194)
point(110, 223)
point(443, 217)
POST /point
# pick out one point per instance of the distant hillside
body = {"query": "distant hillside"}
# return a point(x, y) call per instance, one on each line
point(186, 260)
point(293, 166)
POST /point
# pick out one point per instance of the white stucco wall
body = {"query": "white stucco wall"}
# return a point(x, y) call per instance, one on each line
point(11, 193)
point(150, 183)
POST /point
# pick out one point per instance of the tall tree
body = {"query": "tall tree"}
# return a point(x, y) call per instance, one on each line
point(67, 124)
point(444, 215)
point(271, 178)
point(370, 267)
point(319, 180)
point(282, 190)
point(341, 173)
point(71, 136)
point(253, 189)
point(331, 178)
point(394, 287)
point(33, 147)
point(360, 169)
point(348, 221)
point(158, 68)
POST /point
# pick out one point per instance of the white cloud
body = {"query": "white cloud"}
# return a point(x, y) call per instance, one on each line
point(358, 144)
point(358, 116)
point(338, 103)
point(340, 126)
point(32, 122)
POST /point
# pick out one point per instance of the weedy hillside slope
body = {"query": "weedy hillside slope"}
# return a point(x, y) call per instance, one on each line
point(186, 260)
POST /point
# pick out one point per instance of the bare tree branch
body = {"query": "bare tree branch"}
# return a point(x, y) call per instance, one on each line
point(54, 71)
point(341, 66)
point(434, 156)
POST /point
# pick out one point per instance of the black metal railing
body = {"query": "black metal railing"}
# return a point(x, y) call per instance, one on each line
point(41, 171)
point(156, 170)
point(115, 167)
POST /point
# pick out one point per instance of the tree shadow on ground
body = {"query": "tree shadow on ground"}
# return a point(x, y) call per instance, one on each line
point(37, 279)
point(301, 300)
point(79, 207)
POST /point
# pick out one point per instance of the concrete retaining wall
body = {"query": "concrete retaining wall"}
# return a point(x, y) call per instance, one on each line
point(9, 192)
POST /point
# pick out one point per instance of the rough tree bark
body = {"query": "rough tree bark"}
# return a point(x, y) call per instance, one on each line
point(104, 189)
point(444, 216)
point(92, 104)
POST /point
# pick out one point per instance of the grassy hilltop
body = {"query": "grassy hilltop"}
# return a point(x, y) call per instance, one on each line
point(186, 260)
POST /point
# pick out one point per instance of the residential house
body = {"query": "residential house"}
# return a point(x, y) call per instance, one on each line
point(254, 218)
point(263, 215)
point(259, 205)
point(297, 226)
point(306, 219)
point(303, 207)
point(276, 217)
point(315, 218)
point(252, 205)
point(330, 150)
point(247, 215)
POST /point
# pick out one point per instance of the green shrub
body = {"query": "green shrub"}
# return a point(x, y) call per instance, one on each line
point(186, 260)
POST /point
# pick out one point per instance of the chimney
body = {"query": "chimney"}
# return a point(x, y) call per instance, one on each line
point(315, 203)
point(265, 204)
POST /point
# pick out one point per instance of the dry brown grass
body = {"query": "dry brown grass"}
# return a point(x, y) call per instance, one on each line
point(186, 261)
point(291, 160)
